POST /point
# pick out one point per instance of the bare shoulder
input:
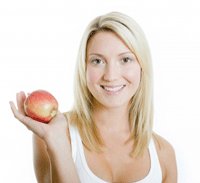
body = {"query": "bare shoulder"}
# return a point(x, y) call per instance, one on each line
point(162, 145)
point(167, 158)
point(69, 121)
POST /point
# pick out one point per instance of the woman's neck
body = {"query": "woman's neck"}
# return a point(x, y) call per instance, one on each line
point(111, 119)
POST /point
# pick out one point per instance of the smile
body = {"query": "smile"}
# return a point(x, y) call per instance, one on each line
point(113, 89)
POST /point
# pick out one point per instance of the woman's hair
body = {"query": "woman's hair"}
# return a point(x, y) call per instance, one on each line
point(141, 108)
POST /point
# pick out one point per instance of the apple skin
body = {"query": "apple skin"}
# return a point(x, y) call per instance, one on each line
point(41, 106)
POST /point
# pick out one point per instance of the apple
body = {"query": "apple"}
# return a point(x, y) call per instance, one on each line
point(41, 105)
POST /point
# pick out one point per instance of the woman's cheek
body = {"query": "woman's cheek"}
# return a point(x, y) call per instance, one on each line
point(93, 76)
point(133, 75)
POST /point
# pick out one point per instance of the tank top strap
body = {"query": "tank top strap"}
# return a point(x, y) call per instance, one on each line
point(85, 174)
point(74, 141)
point(156, 171)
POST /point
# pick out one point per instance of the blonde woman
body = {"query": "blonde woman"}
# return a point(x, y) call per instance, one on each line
point(107, 136)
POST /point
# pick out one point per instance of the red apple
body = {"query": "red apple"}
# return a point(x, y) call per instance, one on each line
point(41, 106)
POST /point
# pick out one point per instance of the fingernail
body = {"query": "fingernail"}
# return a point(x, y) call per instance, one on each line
point(10, 102)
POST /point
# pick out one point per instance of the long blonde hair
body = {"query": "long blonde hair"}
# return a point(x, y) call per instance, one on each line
point(141, 110)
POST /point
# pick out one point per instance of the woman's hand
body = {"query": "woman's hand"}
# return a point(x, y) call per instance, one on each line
point(58, 150)
point(53, 130)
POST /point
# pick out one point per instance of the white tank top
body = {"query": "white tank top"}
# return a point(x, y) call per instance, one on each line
point(87, 176)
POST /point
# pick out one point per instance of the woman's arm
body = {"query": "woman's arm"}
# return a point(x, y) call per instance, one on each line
point(167, 159)
point(52, 151)
point(62, 166)
point(53, 164)
point(41, 160)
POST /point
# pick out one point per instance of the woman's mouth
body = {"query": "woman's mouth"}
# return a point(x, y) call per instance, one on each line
point(113, 89)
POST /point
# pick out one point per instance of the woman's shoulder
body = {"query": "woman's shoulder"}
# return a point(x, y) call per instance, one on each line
point(167, 158)
point(71, 124)
point(162, 145)
point(70, 117)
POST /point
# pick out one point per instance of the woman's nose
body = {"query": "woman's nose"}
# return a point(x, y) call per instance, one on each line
point(111, 72)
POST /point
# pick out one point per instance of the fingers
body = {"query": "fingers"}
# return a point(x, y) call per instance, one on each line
point(21, 97)
point(35, 126)
point(21, 117)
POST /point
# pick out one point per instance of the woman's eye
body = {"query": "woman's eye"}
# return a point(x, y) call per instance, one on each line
point(96, 61)
point(127, 59)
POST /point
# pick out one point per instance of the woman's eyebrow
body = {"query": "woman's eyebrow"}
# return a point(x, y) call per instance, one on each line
point(127, 52)
point(97, 54)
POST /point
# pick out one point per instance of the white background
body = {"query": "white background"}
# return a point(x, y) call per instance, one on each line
point(38, 46)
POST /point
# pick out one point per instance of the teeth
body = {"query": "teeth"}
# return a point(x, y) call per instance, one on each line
point(113, 88)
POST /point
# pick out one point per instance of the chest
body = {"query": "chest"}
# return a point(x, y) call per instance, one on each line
point(115, 164)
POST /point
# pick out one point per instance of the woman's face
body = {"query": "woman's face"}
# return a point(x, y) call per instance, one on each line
point(113, 72)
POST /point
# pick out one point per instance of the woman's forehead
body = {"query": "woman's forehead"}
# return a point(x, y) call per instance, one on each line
point(106, 41)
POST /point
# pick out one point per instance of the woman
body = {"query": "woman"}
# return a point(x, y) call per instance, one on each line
point(107, 136)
